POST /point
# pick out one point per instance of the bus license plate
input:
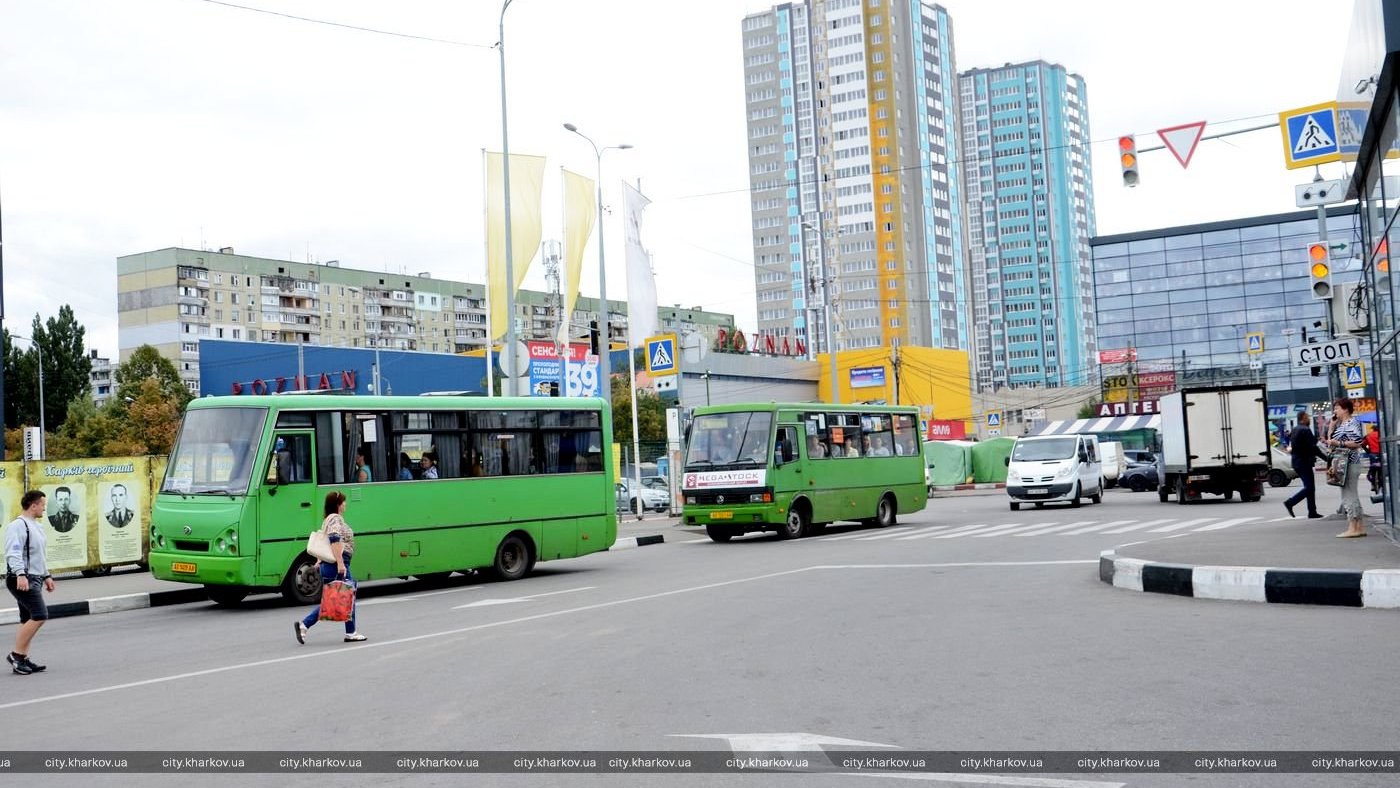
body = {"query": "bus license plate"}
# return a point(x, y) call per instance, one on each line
point(1038, 491)
point(184, 568)
point(721, 515)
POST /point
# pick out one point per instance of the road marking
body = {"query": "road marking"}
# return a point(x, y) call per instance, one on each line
point(979, 530)
point(862, 534)
point(958, 529)
point(1039, 531)
point(904, 534)
point(1280, 519)
point(1136, 526)
point(987, 779)
point(1226, 524)
point(1183, 524)
point(1098, 527)
point(511, 600)
point(1008, 531)
point(363, 647)
point(781, 742)
point(411, 597)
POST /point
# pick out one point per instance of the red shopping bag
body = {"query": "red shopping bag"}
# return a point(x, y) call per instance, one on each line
point(337, 600)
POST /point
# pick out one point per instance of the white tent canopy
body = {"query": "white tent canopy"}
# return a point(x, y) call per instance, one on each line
point(1092, 426)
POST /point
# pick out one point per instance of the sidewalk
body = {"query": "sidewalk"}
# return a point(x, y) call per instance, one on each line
point(1290, 560)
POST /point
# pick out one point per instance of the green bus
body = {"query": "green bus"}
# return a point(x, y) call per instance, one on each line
point(795, 468)
point(515, 481)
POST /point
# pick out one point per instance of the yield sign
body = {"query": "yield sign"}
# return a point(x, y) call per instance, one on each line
point(1182, 138)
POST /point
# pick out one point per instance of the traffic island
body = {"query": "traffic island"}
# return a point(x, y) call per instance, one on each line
point(1291, 562)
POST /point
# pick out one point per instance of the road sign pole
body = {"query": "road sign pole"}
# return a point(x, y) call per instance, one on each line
point(1333, 371)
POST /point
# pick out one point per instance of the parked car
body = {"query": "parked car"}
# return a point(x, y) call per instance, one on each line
point(657, 483)
point(1139, 456)
point(1281, 472)
point(1139, 477)
point(653, 499)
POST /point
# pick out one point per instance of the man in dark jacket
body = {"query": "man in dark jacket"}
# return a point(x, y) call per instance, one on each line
point(1303, 446)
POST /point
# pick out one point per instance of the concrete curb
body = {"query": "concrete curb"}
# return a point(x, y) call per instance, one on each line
point(629, 542)
point(114, 604)
point(1379, 588)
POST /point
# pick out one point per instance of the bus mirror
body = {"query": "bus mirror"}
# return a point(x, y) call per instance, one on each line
point(1007, 461)
point(787, 451)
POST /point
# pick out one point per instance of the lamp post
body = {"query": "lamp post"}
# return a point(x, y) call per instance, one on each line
point(40, 350)
point(509, 383)
point(605, 346)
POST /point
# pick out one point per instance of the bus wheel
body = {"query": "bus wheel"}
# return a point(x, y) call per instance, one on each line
point(303, 583)
point(226, 596)
point(513, 558)
point(884, 512)
point(719, 533)
point(796, 524)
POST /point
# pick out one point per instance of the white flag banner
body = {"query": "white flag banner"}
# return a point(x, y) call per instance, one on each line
point(641, 282)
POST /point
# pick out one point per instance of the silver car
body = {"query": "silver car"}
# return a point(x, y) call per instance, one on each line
point(653, 499)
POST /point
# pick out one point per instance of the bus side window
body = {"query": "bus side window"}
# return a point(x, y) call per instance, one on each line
point(290, 462)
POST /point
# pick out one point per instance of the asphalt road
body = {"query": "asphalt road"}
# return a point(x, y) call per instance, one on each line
point(933, 635)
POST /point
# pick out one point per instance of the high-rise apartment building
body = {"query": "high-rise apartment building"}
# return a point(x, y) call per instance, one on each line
point(171, 298)
point(853, 140)
point(1030, 214)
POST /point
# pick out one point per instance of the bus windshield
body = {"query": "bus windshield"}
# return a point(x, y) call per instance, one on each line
point(729, 439)
point(1054, 449)
point(215, 452)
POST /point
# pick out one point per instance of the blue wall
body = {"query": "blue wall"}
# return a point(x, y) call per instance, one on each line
point(224, 363)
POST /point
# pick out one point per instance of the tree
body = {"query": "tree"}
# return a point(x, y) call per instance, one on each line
point(651, 413)
point(87, 431)
point(147, 363)
point(21, 385)
point(67, 367)
point(152, 421)
point(1089, 410)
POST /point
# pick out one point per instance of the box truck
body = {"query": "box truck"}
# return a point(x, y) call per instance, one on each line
point(1214, 440)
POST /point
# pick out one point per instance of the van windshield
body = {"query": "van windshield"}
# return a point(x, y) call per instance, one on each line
point(1052, 449)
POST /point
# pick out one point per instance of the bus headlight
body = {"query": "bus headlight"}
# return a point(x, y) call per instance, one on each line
point(765, 497)
point(220, 544)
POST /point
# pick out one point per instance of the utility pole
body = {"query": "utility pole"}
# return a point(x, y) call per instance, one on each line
point(895, 361)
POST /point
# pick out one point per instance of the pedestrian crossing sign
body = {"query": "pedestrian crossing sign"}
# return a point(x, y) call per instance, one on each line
point(1254, 343)
point(1310, 135)
point(1353, 375)
point(994, 418)
point(661, 355)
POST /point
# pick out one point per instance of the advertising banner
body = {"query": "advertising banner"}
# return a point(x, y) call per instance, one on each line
point(97, 510)
point(582, 380)
point(946, 430)
point(11, 490)
point(867, 377)
point(710, 480)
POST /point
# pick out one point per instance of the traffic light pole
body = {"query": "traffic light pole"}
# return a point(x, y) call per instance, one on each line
point(1333, 370)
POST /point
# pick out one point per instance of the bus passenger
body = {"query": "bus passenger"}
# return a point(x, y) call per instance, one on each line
point(405, 467)
point(362, 472)
point(430, 470)
point(815, 448)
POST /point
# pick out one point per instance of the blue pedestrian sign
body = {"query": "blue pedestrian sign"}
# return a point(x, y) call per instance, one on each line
point(661, 355)
point(1254, 343)
point(1353, 375)
point(994, 419)
point(1310, 135)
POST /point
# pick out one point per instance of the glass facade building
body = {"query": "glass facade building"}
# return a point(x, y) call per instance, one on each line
point(1190, 299)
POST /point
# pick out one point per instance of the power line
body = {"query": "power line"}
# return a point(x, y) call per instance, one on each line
point(353, 27)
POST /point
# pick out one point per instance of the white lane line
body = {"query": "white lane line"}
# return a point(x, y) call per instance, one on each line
point(1065, 527)
point(1226, 524)
point(979, 530)
point(949, 531)
point(1137, 526)
point(1281, 519)
point(411, 597)
point(1010, 531)
point(509, 600)
point(361, 648)
point(1182, 524)
point(1099, 527)
point(929, 529)
point(985, 779)
point(863, 534)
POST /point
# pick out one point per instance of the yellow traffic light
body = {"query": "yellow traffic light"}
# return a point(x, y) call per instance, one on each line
point(1127, 157)
point(1320, 271)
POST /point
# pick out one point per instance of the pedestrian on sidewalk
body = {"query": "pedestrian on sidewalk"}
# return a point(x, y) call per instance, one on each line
point(343, 548)
point(1304, 456)
point(1373, 453)
point(1346, 437)
point(27, 577)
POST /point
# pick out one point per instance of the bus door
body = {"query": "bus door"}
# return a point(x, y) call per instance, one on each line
point(790, 473)
point(287, 506)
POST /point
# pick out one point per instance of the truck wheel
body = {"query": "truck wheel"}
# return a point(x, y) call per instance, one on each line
point(1162, 493)
point(1229, 494)
point(1181, 490)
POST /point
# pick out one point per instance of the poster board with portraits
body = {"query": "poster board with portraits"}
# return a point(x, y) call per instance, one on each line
point(98, 511)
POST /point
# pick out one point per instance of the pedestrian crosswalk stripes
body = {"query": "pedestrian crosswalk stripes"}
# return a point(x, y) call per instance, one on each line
point(983, 529)
point(923, 531)
point(1006, 531)
point(894, 533)
point(1181, 525)
point(1099, 527)
point(1135, 526)
point(1040, 529)
point(1226, 524)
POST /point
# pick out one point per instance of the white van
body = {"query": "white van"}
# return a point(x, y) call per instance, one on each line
point(1114, 463)
point(1049, 468)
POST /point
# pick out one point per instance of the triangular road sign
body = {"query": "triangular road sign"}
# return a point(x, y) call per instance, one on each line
point(1181, 140)
point(1313, 137)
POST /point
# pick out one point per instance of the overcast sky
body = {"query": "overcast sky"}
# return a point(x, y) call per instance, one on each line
point(144, 124)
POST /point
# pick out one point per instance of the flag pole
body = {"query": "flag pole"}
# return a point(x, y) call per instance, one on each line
point(486, 238)
point(562, 342)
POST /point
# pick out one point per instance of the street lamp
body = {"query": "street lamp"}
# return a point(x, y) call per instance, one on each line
point(40, 350)
point(826, 309)
point(604, 347)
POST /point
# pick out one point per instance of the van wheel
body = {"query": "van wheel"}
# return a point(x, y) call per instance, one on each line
point(885, 512)
point(226, 596)
point(719, 533)
point(302, 585)
point(1015, 507)
point(1098, 496)
point(1074, 501)
point(795, 526)
point(1229, 494)
point(514, 558)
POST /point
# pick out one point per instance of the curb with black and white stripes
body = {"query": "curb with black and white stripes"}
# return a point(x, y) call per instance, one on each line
point(114, 604)
point(1343, 587)
point(628, 542)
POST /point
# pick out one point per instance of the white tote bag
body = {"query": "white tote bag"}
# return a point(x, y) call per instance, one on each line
point(318, 545)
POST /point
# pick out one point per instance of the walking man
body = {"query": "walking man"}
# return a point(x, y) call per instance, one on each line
point(1305, 453)
point(27, 578)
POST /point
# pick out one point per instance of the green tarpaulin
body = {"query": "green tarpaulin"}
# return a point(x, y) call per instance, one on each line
point(989, 459)
point(951, 462)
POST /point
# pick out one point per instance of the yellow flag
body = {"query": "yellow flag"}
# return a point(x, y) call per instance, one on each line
point(579, 214)
point(526, 183)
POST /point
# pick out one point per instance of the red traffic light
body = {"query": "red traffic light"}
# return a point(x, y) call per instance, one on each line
point(1127, 144)
point(1317, 252)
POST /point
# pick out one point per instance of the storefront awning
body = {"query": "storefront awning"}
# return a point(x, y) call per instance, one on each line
point(1092, 426)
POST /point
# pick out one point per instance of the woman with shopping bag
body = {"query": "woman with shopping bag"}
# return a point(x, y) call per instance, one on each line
point(1345, 470)
point(337, 584)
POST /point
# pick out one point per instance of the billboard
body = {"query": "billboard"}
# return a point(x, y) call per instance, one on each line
point(867, 377)
point(582, 376)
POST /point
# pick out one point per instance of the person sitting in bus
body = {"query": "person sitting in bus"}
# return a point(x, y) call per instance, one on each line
point(405, 467)
point(815, 448)
point(879, 447)
point(430, 470)
point(362, 471)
